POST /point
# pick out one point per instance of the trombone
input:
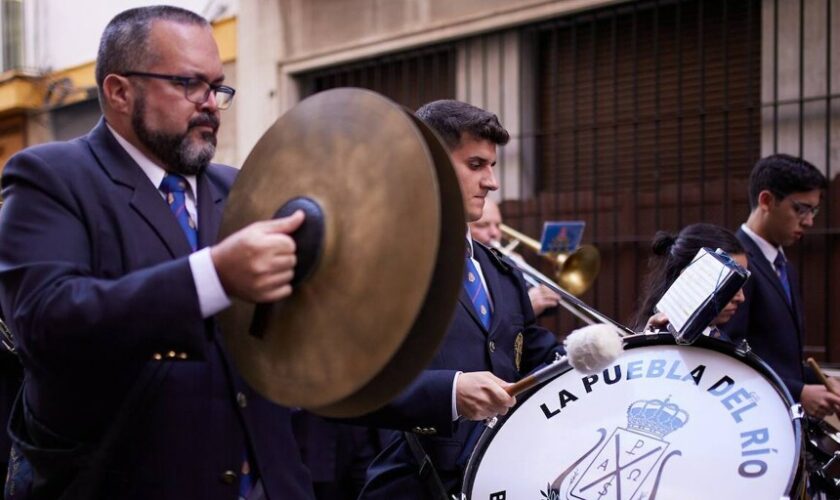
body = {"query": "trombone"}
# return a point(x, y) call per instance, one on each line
point(582, 264)
point(575, 271)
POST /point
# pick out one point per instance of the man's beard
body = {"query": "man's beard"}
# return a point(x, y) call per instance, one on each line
point(178, 152)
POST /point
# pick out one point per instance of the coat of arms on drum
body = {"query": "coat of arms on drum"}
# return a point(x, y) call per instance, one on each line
point(622, 465)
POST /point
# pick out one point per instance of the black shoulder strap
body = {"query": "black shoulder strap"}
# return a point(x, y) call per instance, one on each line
point(427, 471)
point(497, 258)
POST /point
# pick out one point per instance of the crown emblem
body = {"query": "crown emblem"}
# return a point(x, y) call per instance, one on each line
point(655, 417)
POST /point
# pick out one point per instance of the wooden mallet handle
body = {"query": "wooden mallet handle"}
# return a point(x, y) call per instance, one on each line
point(547, 372)
point(816, 367)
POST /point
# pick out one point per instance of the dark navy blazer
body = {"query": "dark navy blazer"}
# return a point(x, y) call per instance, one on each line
point(94, 280)
point(467, 347)
point(772, 326)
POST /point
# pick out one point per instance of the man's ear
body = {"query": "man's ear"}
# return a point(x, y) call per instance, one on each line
point(766, 199)
point(118, 93)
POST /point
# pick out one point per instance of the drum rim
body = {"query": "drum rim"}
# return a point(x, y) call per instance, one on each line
point(796, 481)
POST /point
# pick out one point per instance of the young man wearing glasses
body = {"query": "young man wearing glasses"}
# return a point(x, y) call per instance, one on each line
point(785, 195)
point(110, 276)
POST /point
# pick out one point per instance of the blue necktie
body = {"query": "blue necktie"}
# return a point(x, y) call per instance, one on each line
point(246, 480)
point(175, 188)
point(781, 269)
point(475, 289)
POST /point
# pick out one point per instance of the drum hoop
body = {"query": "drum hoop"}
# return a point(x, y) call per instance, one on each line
point(796, 482)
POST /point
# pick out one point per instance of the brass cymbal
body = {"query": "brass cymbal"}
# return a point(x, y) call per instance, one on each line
point(384, 280)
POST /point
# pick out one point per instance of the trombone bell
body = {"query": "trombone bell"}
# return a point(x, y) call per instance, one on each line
point(574, 272)
point(579, 269)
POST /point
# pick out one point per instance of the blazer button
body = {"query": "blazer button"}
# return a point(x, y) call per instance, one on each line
point(492, 346)
point(228, 477)
point(241, 400)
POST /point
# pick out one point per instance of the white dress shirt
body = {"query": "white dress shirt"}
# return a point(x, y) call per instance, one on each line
point(211, 295)
point(767, 249)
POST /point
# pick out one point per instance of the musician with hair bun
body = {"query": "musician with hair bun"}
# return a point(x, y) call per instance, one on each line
point(672, 253)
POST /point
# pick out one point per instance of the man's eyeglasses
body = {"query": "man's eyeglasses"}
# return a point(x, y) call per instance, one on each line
point(196, 90)
point(804, 209)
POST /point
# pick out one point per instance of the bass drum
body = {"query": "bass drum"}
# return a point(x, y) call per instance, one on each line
point(664, 421)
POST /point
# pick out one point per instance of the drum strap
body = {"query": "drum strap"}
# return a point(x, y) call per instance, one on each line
point(427, 471)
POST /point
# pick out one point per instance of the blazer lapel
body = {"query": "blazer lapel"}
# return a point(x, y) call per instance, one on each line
point(146, 199)
point(760, 264)
point(210, 201)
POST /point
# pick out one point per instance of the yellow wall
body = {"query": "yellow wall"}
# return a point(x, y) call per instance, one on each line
point(20, 93)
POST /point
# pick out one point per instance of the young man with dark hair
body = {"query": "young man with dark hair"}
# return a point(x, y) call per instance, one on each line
point(785, 195)
point(110, 278)
point(492, 340)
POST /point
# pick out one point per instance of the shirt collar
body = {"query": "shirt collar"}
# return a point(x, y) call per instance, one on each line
point(470, 250)
point(152, 171)
point(767, 249)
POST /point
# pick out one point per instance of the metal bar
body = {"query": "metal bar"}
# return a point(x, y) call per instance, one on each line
point(801, 82)
point(406, 81)
point(616, 199)
point(635, 50)
point(679, 116)
point(775, 76)
point(550, 121)
point(377, 78)
point(595, 198)
point(575, 135)
point(524, 136)
point(468, 70)
point(827, 198)
point(502, 114)
point(801, 121)
point(594, 127)
point(701, 41)
point(750, 111)
point(657, 218)
point(484, 100)
point(726, 198)
point(797, 100)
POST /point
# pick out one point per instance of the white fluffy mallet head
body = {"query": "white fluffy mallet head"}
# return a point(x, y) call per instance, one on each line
point(593, 347)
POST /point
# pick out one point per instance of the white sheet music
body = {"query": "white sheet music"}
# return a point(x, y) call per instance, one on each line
point(692, 288)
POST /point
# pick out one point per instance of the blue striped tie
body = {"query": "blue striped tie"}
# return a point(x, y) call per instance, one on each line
point(475, 289)
point(175, 188)
point(781, 269)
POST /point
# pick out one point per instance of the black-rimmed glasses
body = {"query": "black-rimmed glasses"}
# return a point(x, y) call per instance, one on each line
point(804, 209)
point(196, 90)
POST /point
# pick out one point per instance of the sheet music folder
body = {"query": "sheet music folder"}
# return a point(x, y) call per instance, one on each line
point(700, 293)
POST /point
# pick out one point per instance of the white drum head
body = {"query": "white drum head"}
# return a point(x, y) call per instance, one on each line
point(663, 422)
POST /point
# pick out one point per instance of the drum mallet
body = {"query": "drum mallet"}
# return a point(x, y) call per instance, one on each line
point(816, 367)
point(588, 349)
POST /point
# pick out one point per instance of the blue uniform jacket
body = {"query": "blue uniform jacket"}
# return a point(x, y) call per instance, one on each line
point(772, 327)
point(94, 281)
point(513, 346)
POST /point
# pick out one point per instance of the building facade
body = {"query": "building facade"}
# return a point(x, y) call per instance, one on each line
point(633, 116)
point(630, 115)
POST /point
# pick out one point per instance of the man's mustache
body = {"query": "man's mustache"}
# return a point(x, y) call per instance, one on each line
point(205, 120)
